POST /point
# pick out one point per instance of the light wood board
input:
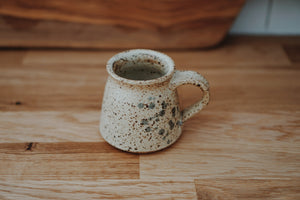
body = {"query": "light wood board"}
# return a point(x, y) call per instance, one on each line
point(244, 145)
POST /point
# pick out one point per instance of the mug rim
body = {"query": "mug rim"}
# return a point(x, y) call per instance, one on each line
point(161, 56)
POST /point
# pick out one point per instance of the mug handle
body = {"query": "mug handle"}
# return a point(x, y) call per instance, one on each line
point(194, 78)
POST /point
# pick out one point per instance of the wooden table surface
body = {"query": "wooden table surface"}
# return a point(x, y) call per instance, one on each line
point(244, 145)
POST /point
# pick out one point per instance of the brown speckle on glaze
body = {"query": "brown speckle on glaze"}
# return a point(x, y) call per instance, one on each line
point(171, 124)
point(161, 131)
point(162, 113)
point(173, 111)
point(164, 105)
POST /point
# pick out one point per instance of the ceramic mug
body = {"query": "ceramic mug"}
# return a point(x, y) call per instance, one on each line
point(140, 107)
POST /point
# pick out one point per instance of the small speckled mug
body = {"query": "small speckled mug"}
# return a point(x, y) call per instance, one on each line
point(140, 107)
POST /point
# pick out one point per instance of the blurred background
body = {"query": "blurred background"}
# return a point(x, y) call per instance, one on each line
point(268, 17)
point(157, 24)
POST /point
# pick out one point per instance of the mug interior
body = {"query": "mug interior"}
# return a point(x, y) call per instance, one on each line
point(140, 65)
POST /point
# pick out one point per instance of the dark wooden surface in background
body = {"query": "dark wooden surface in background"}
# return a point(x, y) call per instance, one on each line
point(116, 23)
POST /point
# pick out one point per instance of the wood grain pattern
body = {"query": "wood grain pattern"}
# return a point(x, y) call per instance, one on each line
point(47, 87)
point(258, 90)
point(50, 126)
point(230, 189)
point(66, 161)
point(68, 87)
point(104, 189)
point(244, 145)
point(116, 24)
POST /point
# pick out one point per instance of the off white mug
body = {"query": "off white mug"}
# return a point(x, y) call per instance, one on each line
point(140, 107)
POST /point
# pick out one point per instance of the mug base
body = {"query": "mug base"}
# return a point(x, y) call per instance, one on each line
point(144, 151)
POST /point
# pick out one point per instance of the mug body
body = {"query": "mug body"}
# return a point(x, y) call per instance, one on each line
point(140, 114)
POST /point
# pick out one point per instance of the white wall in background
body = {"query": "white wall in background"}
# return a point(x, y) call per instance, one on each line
point(268, 17)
